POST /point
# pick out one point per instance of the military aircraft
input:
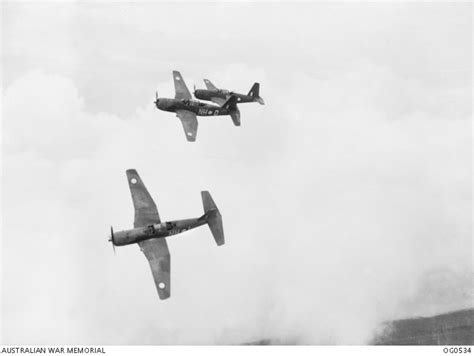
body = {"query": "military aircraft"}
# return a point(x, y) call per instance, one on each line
point(219, 96)
point(187, 109)
point(150, 233)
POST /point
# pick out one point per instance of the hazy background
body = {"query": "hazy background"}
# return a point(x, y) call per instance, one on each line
point(346, 199)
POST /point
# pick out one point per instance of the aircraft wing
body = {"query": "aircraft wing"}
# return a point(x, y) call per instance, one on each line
point(218, 101)
point(180, 87)
point(155, 250)
point(190, 124)
point(157, 253)
point(145, 208)
point(209, 84)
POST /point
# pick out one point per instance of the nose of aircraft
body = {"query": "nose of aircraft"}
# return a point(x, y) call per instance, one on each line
point(156, 99)
point(111, 239)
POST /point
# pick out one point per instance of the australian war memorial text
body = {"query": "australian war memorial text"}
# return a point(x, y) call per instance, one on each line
point(52, 350)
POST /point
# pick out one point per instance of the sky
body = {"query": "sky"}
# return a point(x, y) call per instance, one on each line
point(346, 199)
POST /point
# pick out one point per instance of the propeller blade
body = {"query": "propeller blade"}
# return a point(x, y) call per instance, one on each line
point(112, 238)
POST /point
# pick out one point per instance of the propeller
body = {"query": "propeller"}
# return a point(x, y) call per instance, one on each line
point(112, 238)
point(156, 98)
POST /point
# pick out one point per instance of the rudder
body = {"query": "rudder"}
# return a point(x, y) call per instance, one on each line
point(213, 218)
point(255, 93)
point(255, 90)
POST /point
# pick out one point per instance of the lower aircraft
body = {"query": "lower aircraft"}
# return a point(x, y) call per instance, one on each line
point(187, 109)
point(219, 96)
point(150, 233)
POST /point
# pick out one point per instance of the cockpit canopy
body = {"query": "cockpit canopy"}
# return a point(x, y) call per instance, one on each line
point(188, 102)
point(150, 230)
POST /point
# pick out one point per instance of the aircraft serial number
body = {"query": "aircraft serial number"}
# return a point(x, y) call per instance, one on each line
point(206, 111)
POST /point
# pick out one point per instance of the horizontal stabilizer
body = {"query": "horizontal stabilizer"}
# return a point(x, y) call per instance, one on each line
point(231, 103)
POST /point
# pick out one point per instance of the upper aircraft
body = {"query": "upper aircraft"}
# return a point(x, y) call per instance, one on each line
point(187, 109)
point(150, 233)
point(219, 96)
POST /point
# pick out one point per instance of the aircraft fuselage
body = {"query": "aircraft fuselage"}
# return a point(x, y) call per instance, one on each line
point(207, 94)
point(200, 109)
point(161, 230)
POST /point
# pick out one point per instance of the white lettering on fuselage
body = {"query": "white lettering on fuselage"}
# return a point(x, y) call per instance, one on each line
point(178, 231)
point(207, 111)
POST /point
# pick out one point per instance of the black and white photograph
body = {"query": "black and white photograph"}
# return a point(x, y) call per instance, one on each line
point(236, 173)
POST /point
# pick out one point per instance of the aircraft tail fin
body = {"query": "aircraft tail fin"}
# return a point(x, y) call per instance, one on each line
point(255, 93)
point(254, 90)
point(213, 218)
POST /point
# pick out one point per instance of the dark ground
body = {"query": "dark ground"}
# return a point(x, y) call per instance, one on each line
point(455, 328)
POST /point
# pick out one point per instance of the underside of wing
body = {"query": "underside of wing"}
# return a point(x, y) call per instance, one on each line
point(180, 87)
point(190, 124)
point(158, 255)
point(145, 208)
point(218, 101)
point(209, 85)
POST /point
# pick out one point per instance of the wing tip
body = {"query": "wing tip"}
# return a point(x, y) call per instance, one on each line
point(191, 138)
point(131, 174)
point(163, 294)
point(163, 288)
